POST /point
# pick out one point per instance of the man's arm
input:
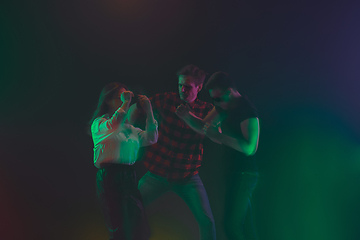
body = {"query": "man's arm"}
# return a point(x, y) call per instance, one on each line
point(247, 144)
point(194, 122)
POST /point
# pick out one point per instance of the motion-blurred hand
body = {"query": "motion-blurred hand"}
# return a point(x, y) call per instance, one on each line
point(126, 96)
point(210, 130)
point(182, 111)
point(145, 103)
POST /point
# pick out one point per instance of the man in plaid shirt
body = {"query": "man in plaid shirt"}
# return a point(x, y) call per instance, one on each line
point(173, 162)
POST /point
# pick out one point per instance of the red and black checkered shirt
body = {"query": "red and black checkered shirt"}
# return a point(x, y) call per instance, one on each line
point(179, 149)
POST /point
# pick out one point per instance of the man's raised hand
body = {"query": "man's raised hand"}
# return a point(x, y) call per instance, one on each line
point(182, 111)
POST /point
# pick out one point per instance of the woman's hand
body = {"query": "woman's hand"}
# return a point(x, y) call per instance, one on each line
point(126, 96)
point(145, 103)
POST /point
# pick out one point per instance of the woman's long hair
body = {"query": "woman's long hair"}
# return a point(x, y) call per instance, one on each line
point(106, 94)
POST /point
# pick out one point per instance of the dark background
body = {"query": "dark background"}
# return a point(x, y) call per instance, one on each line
point(297, 61)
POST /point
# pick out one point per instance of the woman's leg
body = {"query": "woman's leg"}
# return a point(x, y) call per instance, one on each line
point(111, 203)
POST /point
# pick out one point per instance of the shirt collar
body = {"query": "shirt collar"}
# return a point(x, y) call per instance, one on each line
point(192, 104)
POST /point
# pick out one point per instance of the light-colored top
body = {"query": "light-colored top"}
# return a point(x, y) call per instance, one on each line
point(118, 142)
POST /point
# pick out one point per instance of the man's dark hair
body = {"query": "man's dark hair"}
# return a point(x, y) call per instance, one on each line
point(220, 80)
point(194, 71)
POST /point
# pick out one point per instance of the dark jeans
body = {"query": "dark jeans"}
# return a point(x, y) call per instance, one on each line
point(121, 203)
point(238, 213)
point(191, 190)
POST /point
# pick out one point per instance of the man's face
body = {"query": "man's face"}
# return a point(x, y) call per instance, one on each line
point(220, 97)
point(187, 88)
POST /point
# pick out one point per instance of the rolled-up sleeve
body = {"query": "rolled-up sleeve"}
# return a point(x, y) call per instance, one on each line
point(150, 135)
point(103, 128)
point(113, 122)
